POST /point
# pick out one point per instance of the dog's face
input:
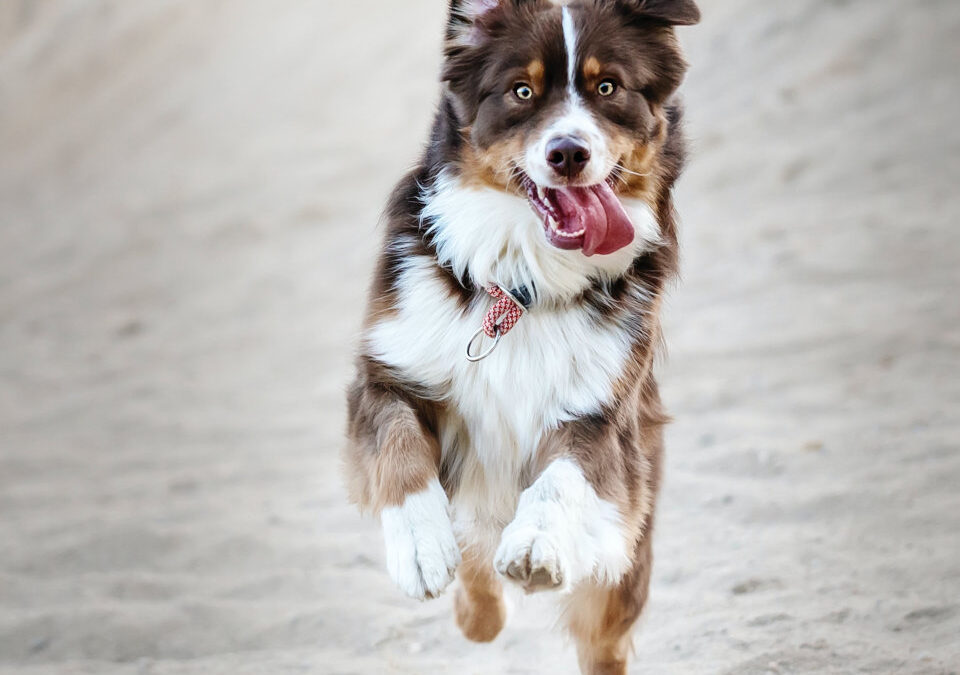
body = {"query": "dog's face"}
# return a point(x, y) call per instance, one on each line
point(565, 104)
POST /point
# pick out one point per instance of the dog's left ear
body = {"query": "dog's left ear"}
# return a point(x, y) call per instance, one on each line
point(670, 12)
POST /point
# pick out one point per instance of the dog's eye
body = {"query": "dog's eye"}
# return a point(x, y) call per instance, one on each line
point(523, 91)
point(607, 87)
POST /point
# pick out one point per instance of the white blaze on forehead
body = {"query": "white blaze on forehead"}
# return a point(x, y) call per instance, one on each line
point(573, 119)
point(570, 40)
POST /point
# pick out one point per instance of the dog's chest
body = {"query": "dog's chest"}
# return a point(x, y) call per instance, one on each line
point(552, 367)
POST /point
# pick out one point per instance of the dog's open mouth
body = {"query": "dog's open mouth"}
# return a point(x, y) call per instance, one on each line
point(588, 218)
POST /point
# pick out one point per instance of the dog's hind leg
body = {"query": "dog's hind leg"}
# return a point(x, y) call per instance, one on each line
point(478, 603)
point(601, 618)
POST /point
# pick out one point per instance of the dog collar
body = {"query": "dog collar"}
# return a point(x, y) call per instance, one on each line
point(500, 319)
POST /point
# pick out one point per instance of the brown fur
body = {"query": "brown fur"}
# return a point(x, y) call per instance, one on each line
point(396, 453)
point(478, 603)
point(394, 449)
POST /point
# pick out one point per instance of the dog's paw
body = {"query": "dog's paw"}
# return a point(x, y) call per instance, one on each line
point(422, 551)
point(531, 558)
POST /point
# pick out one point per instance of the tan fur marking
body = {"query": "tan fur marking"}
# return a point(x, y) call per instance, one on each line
point(494, 166)
point(592, 69)
point(640, 177)
point(535, 74)
point(642, 159)
point(478, 603)
point(603, 620)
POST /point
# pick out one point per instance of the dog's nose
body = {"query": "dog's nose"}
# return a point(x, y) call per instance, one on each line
point(568, 156)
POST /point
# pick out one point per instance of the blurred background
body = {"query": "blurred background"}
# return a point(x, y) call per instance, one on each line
point(189, 198)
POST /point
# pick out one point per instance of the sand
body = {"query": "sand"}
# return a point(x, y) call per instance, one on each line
point(189, 194)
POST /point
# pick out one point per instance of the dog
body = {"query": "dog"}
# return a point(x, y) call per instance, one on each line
point(505, 422)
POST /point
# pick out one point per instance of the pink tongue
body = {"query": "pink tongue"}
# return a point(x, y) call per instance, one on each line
point(597, 211)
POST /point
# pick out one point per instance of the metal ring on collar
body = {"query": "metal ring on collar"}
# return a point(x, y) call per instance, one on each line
point(471, 357)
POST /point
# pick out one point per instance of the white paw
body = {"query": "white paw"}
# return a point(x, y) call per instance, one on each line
point(562, 534)
point(531, 558)
point(422, 552)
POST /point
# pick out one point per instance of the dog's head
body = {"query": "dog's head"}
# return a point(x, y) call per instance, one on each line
point(565, 104)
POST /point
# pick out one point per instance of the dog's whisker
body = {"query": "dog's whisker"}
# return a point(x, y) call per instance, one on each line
point(624, 169)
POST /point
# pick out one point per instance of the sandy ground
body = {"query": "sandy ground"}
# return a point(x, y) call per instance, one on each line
point(189, 194)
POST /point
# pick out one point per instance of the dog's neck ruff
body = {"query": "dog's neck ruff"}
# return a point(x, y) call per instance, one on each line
point(488, 237)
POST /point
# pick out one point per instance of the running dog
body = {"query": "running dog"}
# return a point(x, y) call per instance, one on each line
point(505, 422)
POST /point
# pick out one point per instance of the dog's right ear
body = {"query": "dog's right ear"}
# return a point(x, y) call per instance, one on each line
point(470, 27)
point(471, 20)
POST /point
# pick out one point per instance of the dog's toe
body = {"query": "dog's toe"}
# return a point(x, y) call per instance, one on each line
point(543, 577)
point(530, 559)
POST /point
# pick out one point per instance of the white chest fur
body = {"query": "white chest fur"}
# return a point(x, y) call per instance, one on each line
point(496, 239)
point(554, 366)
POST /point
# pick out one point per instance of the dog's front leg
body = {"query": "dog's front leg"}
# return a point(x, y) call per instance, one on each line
point(394, 461)
point(563, 533)
point(422, 552)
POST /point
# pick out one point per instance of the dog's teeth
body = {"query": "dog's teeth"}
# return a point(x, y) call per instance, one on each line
point(555, 227)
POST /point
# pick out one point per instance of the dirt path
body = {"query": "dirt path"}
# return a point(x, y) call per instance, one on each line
point(188, 199)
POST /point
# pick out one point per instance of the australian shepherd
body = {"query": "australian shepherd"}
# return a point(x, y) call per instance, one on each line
point(505, 422)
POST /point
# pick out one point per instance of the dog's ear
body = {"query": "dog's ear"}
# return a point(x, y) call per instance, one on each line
point(469, 10)
point(471, 20)
point(670, 12)
point(466, 19)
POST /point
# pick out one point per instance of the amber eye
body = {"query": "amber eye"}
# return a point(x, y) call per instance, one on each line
point(607, 87)
point(523, 91)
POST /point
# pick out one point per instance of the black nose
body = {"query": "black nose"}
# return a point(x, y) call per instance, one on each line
point(568, 156)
